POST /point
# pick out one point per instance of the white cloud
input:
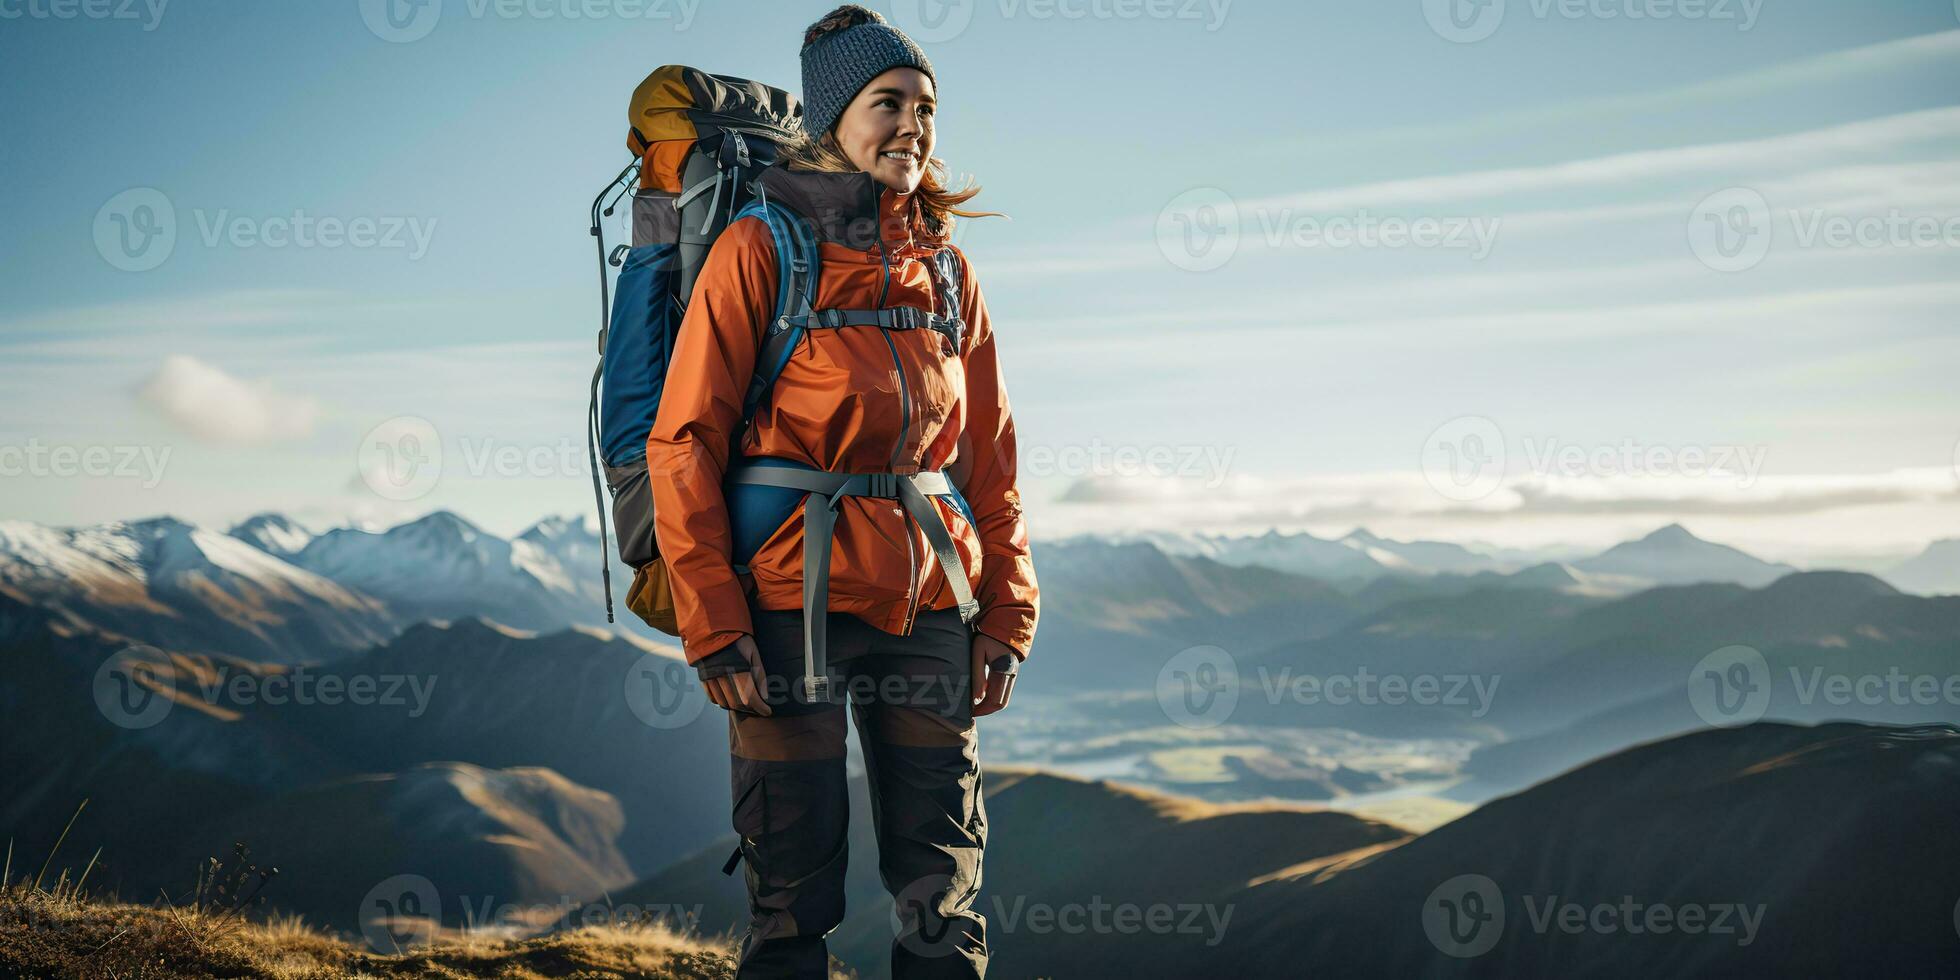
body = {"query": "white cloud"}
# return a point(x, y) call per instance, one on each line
point(214, 406)
point(1899, 509)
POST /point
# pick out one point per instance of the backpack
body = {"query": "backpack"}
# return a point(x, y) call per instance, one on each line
point(695, 136)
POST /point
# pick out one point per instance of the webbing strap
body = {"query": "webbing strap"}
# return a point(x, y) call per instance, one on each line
point(888, 318)
point(826, 491)
point(688, 195)
point(819, 525)
point(941, 539)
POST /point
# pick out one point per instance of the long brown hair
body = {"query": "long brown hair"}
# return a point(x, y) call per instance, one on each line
point(934, 201)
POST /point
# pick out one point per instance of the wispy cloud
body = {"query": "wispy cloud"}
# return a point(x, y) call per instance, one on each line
point(248, 307)
point(1515, 511)
point(1364, 315)
point(1851, 158)
point(1881, 63)
point(1870, 138)
point(215, 407)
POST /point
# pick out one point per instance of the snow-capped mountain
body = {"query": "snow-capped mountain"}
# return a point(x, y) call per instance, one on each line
point(270, 590)
point(1297, 552)
point(1305, 554)
point(165, 582)
point(1359, 555)
point(1673, 556)
point(1422, 557)
point(1935, 571)
point(444, 567)
point(275, 534)
point(1668, 556)
point(568, 552)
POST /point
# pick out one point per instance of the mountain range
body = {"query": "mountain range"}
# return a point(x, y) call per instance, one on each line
point(166, 583)
point(271, 591)
point(513, 747)
point(1668, 555)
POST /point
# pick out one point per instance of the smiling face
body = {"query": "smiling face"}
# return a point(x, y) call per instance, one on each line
point(886, 131)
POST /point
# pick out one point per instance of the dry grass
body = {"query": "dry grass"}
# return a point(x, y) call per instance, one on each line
point(50, 933)
point(55, 929)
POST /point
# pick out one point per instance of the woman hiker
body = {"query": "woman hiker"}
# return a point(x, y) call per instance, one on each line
point(917, 655)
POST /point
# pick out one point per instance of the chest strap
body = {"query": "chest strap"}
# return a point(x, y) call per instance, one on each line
point(889, 318)
point(826, 491)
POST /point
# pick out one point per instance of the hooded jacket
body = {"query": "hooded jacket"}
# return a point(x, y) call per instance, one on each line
point(855, 399)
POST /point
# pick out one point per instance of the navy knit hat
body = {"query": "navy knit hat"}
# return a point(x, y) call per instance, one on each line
point(842, 52)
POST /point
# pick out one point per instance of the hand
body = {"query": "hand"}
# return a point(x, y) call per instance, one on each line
point(741, 691)
point(991, 690)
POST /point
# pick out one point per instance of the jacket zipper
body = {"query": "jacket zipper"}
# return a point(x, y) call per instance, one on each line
point(911, 557)
point(912, 586)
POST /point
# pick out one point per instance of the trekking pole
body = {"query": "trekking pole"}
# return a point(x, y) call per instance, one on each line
point(600, 211)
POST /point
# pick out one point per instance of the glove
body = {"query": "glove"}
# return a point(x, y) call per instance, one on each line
point(722, 662)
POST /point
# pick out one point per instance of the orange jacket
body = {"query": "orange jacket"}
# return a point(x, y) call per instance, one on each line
point(839, 405)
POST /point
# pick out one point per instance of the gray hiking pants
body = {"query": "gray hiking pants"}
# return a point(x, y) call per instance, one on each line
point(911, 699)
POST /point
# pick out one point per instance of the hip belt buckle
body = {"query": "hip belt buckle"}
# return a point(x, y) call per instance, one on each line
point(881, 485)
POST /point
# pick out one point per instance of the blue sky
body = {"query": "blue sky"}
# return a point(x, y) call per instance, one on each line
point(1580, 331)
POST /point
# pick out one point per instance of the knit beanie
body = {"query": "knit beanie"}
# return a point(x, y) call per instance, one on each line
point(842, 52)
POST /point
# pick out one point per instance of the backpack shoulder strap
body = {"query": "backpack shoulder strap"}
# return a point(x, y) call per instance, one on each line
point(797, 269)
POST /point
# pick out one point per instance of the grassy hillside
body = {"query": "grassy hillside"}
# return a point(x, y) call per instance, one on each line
point(43, 934)
point(51, 926)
